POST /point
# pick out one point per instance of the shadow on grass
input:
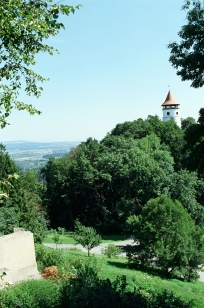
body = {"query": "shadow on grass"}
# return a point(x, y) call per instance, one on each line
point(150, 270)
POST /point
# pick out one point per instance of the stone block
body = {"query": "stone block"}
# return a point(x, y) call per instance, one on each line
point(17, 257)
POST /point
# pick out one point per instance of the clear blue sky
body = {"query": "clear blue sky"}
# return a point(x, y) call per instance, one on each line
point(112, 67)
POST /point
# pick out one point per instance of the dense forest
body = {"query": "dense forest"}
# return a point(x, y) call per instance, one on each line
point(102, 183)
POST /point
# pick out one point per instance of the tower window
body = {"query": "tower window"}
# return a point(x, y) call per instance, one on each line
point(168, 113)
point(177, 113)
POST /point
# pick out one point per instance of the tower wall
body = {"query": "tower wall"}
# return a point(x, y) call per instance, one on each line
point(172, 112)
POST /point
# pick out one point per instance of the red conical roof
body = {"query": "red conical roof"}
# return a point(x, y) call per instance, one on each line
point(169, 101)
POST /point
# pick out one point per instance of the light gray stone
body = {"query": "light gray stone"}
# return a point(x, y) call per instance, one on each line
point(17, 257)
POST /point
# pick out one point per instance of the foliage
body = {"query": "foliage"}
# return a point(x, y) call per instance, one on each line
point(8, 174)
point(25, 25)
point(56, 238)
point(87, 268)
point(32, 294)
point(85, 291)
point(46, 256)
point(187, 55)
point(111, 251)
point(168, 238)
point(8, 220)
point(149, 283)
point(186, 188)
point(168, 132)
point(167, 299)
point(23, 208)
point(78, 293)
point(194, 147)
point(27, 200)
point(185, 123)
point(101, 184)
point(86, 236)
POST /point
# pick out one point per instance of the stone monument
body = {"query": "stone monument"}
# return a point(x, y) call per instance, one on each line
point(17, 257)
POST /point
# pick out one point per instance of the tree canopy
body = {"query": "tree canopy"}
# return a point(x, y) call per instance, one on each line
point(25, 25)
point(194, 146)
point(23, 205)
point(168, 238)
point(187, 56)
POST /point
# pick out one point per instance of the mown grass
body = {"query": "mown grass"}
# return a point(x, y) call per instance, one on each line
point(148, 282)
point(64, 239)
point(68, 239)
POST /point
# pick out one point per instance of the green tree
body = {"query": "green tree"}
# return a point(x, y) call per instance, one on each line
point(188, 189)
point(86, 236)
point(185, 123)
point(168, 132)
point(31, 214)
point(25, 25)
point(101, 185)
point(8, 173)
point(187, 56)
point(194, 146)
point(8, 219)
point(168, 238)
point(23, 207)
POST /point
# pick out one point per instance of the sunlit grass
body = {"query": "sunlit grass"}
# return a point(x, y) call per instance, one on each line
point(64, 239)
point(111, 268)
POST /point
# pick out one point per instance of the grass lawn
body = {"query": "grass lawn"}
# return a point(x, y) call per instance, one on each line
point(111, 268)
point(64, 239)
point(68, 239)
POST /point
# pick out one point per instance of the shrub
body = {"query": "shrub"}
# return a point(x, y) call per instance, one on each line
point(168, 300)
point(111, 251)
point(98, 293)
point(46, 256)
point(104, 293)
point(168, 238)
point(32, 294)
point(87, 269)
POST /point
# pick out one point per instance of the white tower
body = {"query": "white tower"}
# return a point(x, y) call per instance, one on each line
point(171, 109)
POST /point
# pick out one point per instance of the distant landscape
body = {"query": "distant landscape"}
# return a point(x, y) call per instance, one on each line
point(34, 155)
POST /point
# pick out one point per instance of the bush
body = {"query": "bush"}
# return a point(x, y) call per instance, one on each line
point(32, 294)
point(104, 293)
point(168, 238)
point(46, 256)
point(87, 269)
point(167, 300)
point(111, 251)
point(85, 290)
